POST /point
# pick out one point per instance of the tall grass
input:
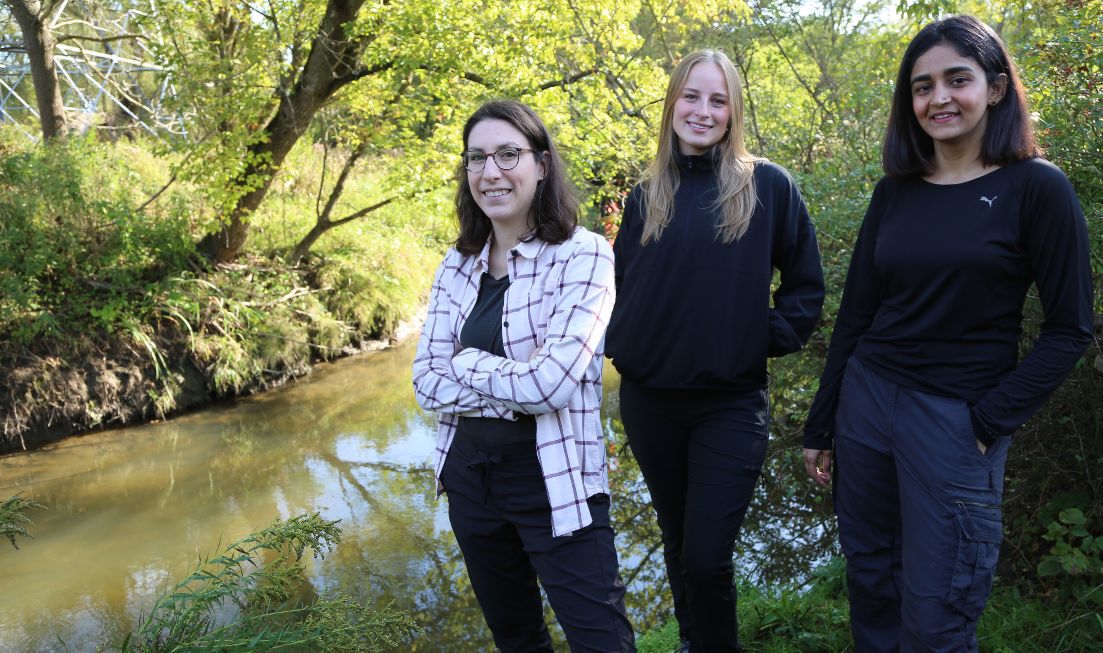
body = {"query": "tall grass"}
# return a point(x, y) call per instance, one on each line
point(239, 600)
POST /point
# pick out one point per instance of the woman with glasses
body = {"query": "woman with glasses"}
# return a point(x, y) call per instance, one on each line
point(699, 241)
point(511, 358)
point(922, 388)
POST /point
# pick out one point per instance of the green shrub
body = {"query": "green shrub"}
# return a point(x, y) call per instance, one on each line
point(259, 576)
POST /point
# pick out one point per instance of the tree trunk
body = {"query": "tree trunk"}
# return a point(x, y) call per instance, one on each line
point(332, 63)
point(39, 43)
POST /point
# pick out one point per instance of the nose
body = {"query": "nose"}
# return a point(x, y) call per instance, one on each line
point(491, 169)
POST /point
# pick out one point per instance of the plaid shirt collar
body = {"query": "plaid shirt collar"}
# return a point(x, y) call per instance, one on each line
point(530, 249)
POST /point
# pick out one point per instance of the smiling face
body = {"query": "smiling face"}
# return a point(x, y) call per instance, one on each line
point(702, 110)
point(505, 196)
point(951, 97)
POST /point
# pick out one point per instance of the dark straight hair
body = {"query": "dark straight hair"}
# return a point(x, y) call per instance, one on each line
point(1008, 137)
point(554, 207)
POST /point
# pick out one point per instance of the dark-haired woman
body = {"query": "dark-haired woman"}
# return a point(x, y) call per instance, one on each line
point(511, 358)
point(693, 326)
point(921, 391)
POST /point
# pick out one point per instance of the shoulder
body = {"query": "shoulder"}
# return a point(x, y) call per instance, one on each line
point(767, 172)
point(584, 249)
point(1038, 173)
point(454, 265)
point(635, 198)
point(453, 260)
point(583, 241)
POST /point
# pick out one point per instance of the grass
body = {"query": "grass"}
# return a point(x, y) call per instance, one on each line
point(816, 619)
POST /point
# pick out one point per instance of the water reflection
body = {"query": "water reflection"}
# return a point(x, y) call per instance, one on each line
point(131, 510)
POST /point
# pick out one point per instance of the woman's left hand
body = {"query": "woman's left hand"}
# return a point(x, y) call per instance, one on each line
point(811, 465)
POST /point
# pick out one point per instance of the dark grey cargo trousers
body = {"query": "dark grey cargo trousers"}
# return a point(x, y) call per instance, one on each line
point(919, 516)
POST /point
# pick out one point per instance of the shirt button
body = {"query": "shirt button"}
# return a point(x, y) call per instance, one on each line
point(513, 252)
point(506, 324)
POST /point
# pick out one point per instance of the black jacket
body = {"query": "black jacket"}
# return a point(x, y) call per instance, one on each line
point(694, 312)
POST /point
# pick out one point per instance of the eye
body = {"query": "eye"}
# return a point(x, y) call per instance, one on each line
point(958, 81)
point(690, 96)
point(718, 102)
point(476, 157)
point(506, 155)
point(922, 88)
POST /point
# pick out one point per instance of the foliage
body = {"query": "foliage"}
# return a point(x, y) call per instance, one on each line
point(12, 517)
point(190, 615)
point(82, 269)
point(72, 247)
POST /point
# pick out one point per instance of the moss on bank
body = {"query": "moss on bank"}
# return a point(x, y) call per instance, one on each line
point(108, 316)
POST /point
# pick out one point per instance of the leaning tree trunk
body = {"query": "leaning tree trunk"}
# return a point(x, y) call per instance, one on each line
point(39, 43)
point(332, 63)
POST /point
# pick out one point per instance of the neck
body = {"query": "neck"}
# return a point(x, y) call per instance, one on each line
point(507, 235)
point(958, 162)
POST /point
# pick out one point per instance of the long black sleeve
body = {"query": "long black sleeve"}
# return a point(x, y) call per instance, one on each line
point(1059, 255)
point(798, 301)
point(860, 302)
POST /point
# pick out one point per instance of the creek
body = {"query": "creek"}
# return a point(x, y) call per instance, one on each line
point(133, 509)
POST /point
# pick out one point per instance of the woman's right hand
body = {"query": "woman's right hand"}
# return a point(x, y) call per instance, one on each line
point(812, 457)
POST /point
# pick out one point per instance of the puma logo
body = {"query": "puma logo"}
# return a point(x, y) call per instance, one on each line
point(985, 199)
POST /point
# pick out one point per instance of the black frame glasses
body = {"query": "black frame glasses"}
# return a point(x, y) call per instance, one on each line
point(505, 158)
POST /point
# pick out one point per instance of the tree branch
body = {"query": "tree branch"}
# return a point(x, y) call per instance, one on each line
point(569, 79)
point(71, 37)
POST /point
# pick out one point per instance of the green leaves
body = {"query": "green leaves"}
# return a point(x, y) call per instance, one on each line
point(12, 519)
point(260, 575)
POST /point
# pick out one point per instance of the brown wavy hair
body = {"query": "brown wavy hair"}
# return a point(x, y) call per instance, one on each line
point(554, 213)
point(734, 164)
point(1009, 135)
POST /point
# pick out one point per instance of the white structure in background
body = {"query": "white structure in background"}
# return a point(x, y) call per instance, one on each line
point(108, 84)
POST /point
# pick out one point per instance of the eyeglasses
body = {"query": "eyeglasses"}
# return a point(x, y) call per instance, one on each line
point(505, 158)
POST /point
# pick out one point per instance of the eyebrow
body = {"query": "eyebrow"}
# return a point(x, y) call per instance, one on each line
point(953, 70)
point(509, 144)
point(693, 90)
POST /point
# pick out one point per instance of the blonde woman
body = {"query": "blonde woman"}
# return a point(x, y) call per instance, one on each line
point(693, 326)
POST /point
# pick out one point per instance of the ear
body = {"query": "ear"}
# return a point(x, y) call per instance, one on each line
point(997, 90)
point(545, 156)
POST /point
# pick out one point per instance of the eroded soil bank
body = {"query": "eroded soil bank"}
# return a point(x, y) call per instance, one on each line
point(47, 396)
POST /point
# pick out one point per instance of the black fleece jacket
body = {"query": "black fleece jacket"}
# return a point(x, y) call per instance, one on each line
point(693, 311)
point(934, 296)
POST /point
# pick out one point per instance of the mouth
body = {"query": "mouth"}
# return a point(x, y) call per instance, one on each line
point(498, 192)
point(943, 116)
point(698, 127)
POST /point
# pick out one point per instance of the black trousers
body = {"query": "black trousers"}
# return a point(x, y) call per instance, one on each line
point(701, 452)
point(498, 507)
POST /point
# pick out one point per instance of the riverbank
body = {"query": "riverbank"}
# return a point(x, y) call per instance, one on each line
point(109, 316)
point(111, 383)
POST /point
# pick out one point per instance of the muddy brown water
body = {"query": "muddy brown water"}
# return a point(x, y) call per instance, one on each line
point(131, 510)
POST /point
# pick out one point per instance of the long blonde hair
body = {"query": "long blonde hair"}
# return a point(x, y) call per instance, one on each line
point(734, 164)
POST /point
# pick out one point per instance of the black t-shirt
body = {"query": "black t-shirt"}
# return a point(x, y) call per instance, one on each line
point(483, 330)
point(934, 296)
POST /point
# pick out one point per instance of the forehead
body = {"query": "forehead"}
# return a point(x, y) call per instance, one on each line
point(942, 57)
point(707, 76)
point(491, 134)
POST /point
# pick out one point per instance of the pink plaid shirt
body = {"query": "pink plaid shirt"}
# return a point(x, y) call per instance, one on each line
point(560, 298)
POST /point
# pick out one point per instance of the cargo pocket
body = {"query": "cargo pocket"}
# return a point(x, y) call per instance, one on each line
point(979, 530)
